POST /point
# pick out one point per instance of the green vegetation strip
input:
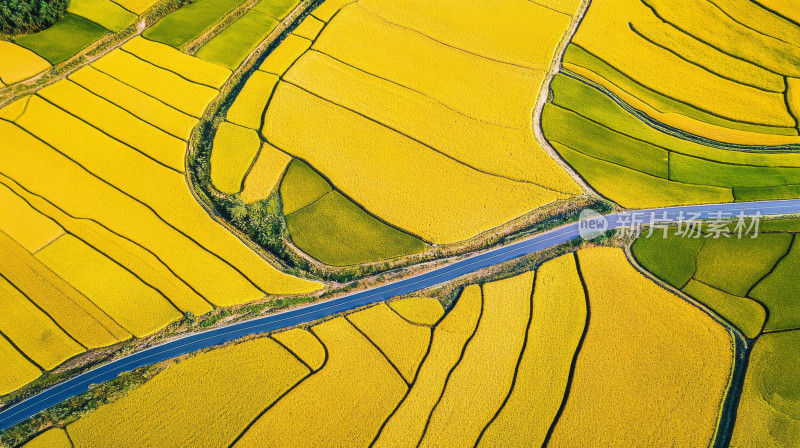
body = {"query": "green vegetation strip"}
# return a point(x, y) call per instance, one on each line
point(588, 127)
point(230, 47)
point(63, 40)
point(189, 22)
point(750, 282)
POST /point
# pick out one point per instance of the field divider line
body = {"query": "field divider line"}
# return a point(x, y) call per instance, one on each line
point(449, 272)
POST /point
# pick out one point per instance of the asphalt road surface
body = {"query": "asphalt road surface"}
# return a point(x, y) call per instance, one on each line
point(176, 347)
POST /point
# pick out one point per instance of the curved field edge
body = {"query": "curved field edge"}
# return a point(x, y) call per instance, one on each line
point(446, 293)
point(276, 244)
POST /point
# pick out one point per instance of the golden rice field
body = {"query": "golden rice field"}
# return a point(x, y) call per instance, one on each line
point(197, 395)
point(487, 365)
point(428, 113)
point(18, 63)
point(404, 344)
point(648, 356)
point(729, 64)
point(420, 310)
point(104, 240)
point(631, 361)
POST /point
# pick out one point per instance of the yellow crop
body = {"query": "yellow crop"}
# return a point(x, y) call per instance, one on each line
point(787, 8)
point(133, 257)
point(793, 96)
point(485, 90)
point(724, 24)
point(421, 310)
point(162, 189)
point(15, 108)
point(605, 32)
point(117, 122)
point(484, 376)
point(18, 63)
point(17, 371)
point(136, 6)
point(559, 316)
point(224, 389)
point(566, 6)
point(509, 152)
point(265, 173)
point(513, 31)
point(78, 316)
point(248, 107)
point(137, 307)
point(190, 67)
point(648, 356)
point(404, 344)
point(170, 88)
point(768, 413)
point(406, 425)
point(32, 330)
point(303, 344)
point(28, 227)
point(725, 65)
point(344, 404)
point(235, 148)
point(143, 106)
point(52, 438)
point(309, 28)
point(683, 122)
point(394, 177)
point(327, 9)
point(285, 54)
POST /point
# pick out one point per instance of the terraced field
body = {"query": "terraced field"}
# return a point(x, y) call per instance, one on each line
point(402, 375)
point(722, 127)
point(103, 240)
point(427, 135)
point(752, 283)
point(86, 22)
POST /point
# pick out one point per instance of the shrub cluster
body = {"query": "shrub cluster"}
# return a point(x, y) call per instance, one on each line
point(27, 16)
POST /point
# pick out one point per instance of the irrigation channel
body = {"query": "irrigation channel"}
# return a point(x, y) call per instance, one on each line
point(196, 341)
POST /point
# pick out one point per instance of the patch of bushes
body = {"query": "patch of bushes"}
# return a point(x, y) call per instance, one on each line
point(28, 16)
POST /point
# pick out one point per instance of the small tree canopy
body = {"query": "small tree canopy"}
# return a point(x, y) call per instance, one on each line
point(28, 16)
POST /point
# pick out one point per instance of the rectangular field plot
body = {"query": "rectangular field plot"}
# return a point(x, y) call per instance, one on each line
point(105, 13)
point(63, 40)
point(33, 331)
point(187, 66)
point(230, 47)
point(189, 22)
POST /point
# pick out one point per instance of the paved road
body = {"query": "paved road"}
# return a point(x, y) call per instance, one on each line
point(190, 343)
